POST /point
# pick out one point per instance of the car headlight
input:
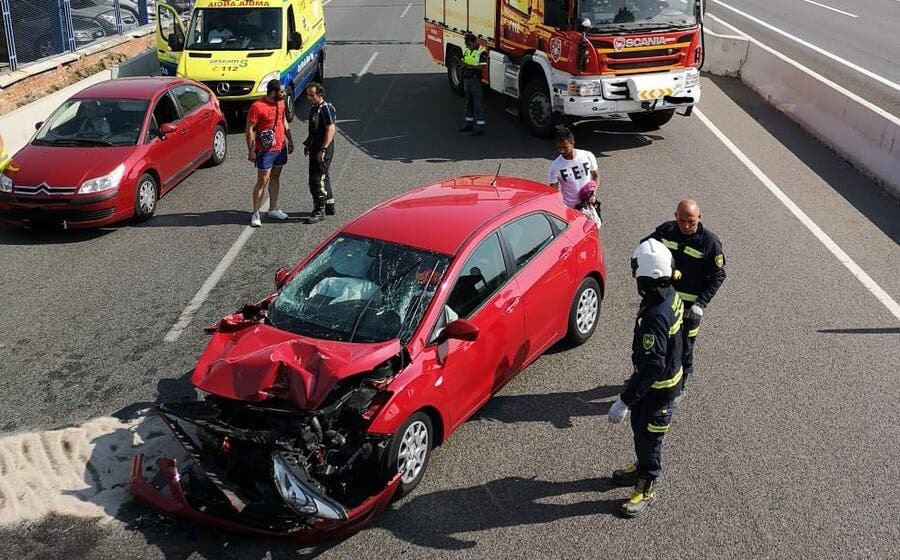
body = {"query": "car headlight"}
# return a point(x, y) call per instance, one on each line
point(83, 36)
point(585, 89)
point(265, 81)
point(104, 183)
point(691, 79)
point(6, 184)
point(298, 496)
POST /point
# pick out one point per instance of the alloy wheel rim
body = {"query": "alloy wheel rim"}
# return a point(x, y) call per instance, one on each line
point(147, 196)
point(413, 451)
point(219, 144)
point(586, 312)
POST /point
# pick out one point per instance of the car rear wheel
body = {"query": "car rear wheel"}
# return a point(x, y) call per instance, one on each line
point(410, 451)
point(585, 312)
point(219, 146)
point(146, 196)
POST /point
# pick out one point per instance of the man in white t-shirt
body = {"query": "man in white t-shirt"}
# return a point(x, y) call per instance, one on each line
point(573, 169)
point(219, 33)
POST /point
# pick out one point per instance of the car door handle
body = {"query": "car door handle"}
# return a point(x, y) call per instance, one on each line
point(512, 305)
point(564, 253)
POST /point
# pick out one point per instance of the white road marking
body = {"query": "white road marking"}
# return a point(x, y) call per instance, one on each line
point(841, 89)
point(403, 15)
point(848, 14)
point(823, 237)
point(382, 139)
point(211, 282)
point(365, 68)
point(823, 52)
point(325, 3)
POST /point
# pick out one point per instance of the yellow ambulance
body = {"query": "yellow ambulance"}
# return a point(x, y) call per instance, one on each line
point(236, 46)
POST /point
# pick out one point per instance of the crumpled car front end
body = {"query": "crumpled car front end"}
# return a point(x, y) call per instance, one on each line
point(278, 443)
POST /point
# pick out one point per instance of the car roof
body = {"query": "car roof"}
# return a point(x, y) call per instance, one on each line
point(441, 216)
point(129, 88)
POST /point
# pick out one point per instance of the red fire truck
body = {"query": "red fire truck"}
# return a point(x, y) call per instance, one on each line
point(578, 59)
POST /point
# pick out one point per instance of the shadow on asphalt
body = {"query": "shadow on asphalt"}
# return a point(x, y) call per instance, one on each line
point(48, 235)
point(859, 191)
point(875, 330)
point(556, 408)
point(437, 520)
point(394, 125)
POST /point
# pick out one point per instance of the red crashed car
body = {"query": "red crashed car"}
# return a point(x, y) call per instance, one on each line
point(324, 400)
point(110, 151)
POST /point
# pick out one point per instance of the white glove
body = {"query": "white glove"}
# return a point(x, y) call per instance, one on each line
point(697, 311)
point(618, 411)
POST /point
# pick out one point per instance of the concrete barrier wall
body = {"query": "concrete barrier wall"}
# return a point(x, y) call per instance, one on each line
point(867, 136)
point(17, 126)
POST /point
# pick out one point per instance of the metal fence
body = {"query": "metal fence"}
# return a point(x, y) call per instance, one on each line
point(34, 30)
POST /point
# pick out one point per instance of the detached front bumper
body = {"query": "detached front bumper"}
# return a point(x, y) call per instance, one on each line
point(175, 500)
point(175, 504)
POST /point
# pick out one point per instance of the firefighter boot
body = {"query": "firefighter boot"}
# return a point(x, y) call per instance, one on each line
point(641, 498)
point(329, 209)
point(318, 214)
point(626, 476)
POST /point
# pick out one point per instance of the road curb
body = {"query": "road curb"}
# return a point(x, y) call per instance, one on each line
point(865, 135)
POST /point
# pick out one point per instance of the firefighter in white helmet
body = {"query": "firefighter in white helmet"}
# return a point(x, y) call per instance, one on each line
point(656, 355)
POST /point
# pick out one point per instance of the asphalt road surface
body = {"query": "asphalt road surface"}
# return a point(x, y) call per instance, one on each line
point(785, 447)
point(851, 43)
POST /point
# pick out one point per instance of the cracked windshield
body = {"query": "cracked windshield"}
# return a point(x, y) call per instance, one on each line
point(644, 15)
point(235, 29)
point(360, 290)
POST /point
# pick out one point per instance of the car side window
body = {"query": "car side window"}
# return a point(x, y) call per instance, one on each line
point(481, 276)
point(527, 237)
point(164, 111)
point(190, 97)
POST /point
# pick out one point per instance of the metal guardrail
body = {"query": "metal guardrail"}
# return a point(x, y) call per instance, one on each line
point(35, 30)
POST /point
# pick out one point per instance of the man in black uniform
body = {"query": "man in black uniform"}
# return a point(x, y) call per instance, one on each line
point(319, 146)
point(700, 262)
point(656, 356)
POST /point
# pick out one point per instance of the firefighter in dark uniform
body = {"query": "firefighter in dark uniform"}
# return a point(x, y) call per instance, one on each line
point(473, 62)
point(319, 146)
point(656, 356)
point(700, 263)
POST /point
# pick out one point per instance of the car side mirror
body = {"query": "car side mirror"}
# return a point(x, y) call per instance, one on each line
point(295, 43)
point(38, 125)
point(281, 276)
point(166, 129)
point(460, 329)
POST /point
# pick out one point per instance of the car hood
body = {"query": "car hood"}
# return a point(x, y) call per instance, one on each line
point(259, 362)
point(71, 165)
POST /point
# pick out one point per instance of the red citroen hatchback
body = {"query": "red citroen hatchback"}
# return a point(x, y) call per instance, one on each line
point(110, 151)
point(326, 399)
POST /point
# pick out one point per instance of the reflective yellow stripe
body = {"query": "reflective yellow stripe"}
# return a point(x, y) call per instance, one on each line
point(688, 297)
point(676, 326)
point(693, 332)
point(669, 383)
point(691, 252)
point(653, 428)
point(669, 244)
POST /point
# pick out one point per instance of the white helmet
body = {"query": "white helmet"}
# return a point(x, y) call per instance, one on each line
point(651, 259)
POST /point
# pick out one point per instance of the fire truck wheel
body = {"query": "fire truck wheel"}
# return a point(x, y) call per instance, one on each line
point(454, 72)
point(537, 109)
point(651, 120)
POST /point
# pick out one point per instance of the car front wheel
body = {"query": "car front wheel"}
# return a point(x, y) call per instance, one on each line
point(410, 451)
point(145, 197)
point(585, 312)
